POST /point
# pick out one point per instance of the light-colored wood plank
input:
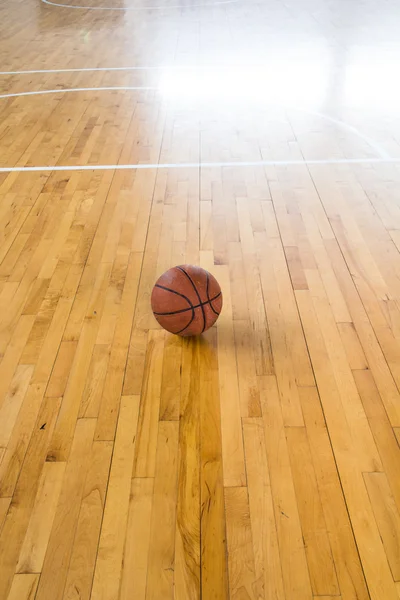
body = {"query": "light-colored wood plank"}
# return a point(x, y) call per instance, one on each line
point(214, 567)
point(231, 427)
point(381, 429)
point(136, 552)
point(262, 516)
point(387, 517)
point(38, 533)
point(160, 576)
point(113, 530)
point(248, 385)
point(13, 402)
point(17, 519)
point(84, 551)
point(243, 580)
point(314, 529)
point(110, 402)
point(96, 376)
point(171, 379)
point(13, 353)
point(344, 550)
point(187, 537)
point(61, 370)
point(354, 352)
point(146, 445)
point(61, 539)
point(397, 433)
point(14, 455)
point(294, 570)
point(4, 506)
point(24, 587)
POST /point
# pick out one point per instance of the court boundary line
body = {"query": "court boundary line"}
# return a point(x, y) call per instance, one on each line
point(380, 151)
point(69, 90)
point(201, 5)
point(205, 165)
point(139, 68)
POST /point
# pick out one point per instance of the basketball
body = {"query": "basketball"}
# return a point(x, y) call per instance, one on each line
point(186, 300)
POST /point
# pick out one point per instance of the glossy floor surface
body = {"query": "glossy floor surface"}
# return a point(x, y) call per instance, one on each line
point(260, 140)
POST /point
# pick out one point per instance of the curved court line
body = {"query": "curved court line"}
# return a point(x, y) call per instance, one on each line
point(380, 151)
point(203, 4)
point(204, 165)
point(90, 69)
point(69, 90)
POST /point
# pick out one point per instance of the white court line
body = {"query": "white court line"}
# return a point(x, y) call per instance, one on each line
point(153, 68)
point(203, 4)
point(68, 90)
point(380, 151)
point(204, 165)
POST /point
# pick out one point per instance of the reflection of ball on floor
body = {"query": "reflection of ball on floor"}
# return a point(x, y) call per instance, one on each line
point(186, 300)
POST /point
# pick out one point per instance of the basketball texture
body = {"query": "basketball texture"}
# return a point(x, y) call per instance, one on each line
point(186, 300)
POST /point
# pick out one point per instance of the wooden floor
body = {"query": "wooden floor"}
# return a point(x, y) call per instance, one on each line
point(262, 460)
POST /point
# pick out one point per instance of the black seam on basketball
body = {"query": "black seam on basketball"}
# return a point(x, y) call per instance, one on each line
point(186, 326)
point(198, 295)
point(208, 296)
point(162, 287)
point(193, 306)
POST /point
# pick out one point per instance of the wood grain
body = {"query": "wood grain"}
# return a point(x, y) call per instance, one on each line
point(261, 460)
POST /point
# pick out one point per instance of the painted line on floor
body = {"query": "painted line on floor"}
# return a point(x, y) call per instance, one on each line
point(204, 165)
point(380, 151)
point(201, 5)
point(69, 90)
point(151, 68)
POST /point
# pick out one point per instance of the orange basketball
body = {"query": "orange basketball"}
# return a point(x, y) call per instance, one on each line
point(186, 300)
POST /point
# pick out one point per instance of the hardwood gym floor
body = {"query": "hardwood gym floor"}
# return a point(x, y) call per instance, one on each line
point(261, 461)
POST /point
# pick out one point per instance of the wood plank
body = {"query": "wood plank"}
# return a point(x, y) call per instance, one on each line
point(61, 539)
point(13, 353)
point(171, 379)
point(146, 445)
point(262, 517)
point(354, 352)
point(61, 370)
point(15, 453)
point(381, 429)
point(315, 533)
point(373, 352)
point(397, 433)
point(85, 546)
point(187, 537)
point(231, 427)
point(37, 535)
point(137, 542)
point(92, 394)
point(214, 568)
point(17, 519)
point(248, 385)
point(24, 587)
point(110, 402)
point(4, 506)
point(387, 517)
point(285, 369)
point(295, 572)
point(113, 530)
point(13, 402)
point(352, 408)
point(160, 577)
point(344, 550)
point(243, 580)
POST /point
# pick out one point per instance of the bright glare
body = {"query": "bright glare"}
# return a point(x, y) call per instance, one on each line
point(284, 80)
